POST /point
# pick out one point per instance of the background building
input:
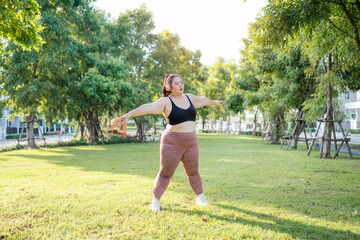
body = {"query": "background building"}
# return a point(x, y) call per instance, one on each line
point(351, 106)
point(15, 126)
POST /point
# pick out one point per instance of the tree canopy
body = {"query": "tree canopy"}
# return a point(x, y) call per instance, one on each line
point(20, 24)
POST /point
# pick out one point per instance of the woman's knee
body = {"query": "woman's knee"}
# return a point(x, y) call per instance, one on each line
point(165, 173)
point(192, 172)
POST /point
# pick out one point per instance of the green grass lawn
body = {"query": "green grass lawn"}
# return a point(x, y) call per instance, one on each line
point(256, 191)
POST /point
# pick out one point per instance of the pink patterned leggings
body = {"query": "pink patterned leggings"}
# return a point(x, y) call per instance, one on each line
point(176, 147)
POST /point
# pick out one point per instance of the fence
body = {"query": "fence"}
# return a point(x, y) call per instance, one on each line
point(17, 130)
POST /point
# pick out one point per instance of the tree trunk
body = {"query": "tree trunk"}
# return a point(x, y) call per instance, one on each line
point(228, 123)
point(94, 131)
point(275, 135)
point(278, 123)
point(255, 122)
point(326, 148)
point(82, 131)
point(30, 131)
point(239, 123)
point(105, 123)
point(203, 123)
point(92, 120)
point(299, 126)
point(154, 128)
point(140, 129)
point(264, 125)
point(221, 125)
point(294, 140)
point(326, 145)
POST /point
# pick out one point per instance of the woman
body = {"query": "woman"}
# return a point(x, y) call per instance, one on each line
point(178, 141)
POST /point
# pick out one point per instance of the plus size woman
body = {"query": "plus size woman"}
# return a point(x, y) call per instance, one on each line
point(178, 141)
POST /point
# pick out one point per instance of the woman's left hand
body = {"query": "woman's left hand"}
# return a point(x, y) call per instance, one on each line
point(123, 117)
point(218, 103)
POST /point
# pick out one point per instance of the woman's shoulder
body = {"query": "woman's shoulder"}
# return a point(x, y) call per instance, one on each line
point(192, 97)
point(163, 100)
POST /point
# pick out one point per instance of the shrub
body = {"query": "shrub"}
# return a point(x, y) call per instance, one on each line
point(115, 138)
point(257, 133)
point(108, 139)
point(15, 136)
point(50, 133)
point(355, 131)
point(311, 129)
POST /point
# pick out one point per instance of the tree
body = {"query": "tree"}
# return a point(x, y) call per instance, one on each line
point(140, 37)
point(20, 24)
point(101, 82)
point(33, 79)
point(135, 51)
point(220, 78)
point(292, 84)
point(284, 19)
point(201, 86)
point(235, 102)
point(249, 81)
point(329, 31)
point(99, 92)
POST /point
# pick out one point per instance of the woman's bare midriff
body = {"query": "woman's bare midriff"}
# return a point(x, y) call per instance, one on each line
point(184, 127)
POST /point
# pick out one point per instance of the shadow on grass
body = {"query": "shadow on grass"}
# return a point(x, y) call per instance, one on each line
point(294, 228)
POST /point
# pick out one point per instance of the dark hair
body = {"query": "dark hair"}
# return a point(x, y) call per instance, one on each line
point(166, 93)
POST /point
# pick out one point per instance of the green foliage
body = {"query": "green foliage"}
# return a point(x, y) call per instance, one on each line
point(315, 106)
point(35, 80)
point(350, 78)
point(251, 133)
point(20, 24)
point(235, 103)
point(218, 85)
point(2, 106)
point(203, 112)
point(140, 37)
point(169, 56)
point(322, 27)
point(101, 91)
point(204, 131)
point(250, 80)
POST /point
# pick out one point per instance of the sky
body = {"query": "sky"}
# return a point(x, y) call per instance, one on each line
point(213, 27)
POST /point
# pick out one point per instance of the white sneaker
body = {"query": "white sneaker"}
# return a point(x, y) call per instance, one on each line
point(155, 205)
point(201, 200)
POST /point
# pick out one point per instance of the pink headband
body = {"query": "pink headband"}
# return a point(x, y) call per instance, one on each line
point(170, 76)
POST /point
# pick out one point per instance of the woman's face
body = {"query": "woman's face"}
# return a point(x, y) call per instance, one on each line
point(177, 85)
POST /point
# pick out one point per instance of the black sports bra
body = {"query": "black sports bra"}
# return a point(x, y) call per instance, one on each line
point(179, 115)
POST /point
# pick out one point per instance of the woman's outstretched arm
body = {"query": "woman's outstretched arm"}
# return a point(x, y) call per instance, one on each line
point(203, 101)
point(156, 107)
